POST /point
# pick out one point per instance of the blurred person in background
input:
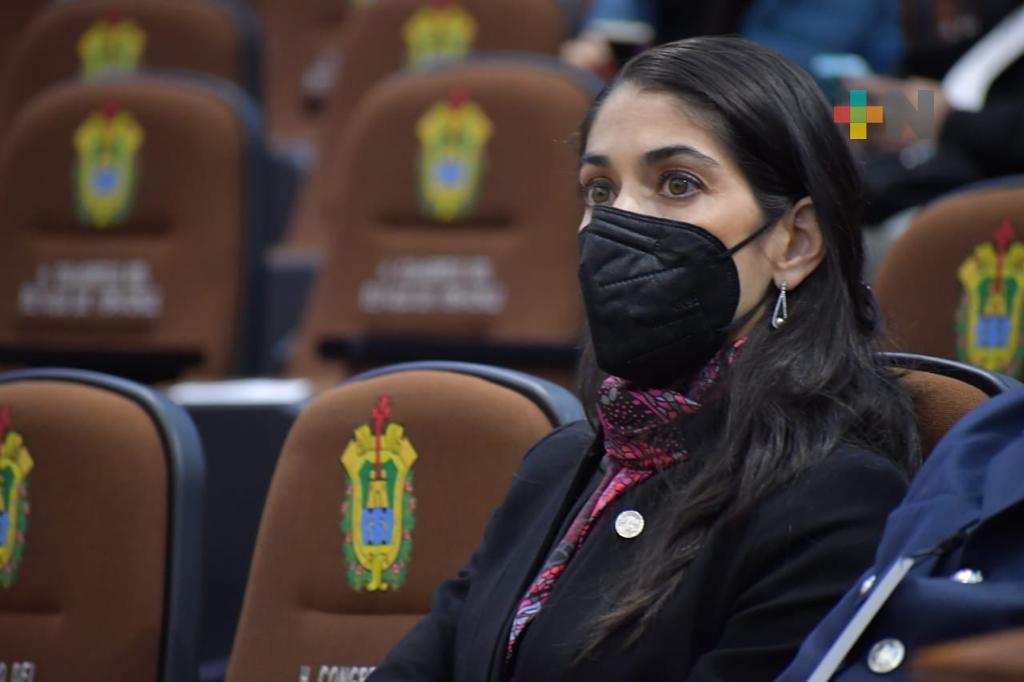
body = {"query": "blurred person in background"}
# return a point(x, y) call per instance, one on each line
point(970, 56)
point(798, 29)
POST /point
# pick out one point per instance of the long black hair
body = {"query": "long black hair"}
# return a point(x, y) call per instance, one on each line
point(796, 393)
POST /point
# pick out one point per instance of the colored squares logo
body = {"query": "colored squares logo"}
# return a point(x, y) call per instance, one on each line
point(858, 114)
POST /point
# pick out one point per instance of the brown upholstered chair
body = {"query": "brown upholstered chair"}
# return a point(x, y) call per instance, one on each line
point(455, 252)
point(377, 42)
point(131, 210)
point(952, 285)
point(445, 442)
point(100, 519)
point(943, 391)
point(997, 657)
point(14, 17)
point(92, 38)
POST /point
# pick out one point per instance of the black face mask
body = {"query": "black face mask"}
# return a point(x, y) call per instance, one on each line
point(660, 295)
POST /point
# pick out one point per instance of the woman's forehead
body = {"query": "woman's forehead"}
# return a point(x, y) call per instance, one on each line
point(634, 121)
point(630, 111)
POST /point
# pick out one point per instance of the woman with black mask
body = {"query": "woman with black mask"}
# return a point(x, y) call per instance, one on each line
point(746, 445)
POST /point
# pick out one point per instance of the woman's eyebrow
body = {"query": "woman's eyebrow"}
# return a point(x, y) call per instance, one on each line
point(595, 160)
point(663, 153)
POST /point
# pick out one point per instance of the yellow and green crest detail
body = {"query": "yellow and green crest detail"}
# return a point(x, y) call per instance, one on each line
point(15, 467)
point(453, 136)
point(111, 46)
point(988, 320)
point(441, 30)
point(378, 514)
point(106, 171)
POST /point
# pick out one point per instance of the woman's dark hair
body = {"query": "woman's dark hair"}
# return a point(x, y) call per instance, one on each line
point(795, 393)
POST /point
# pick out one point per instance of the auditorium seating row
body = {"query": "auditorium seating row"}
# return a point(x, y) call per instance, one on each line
point(124, 550)
point(163, 254)
point(156, 257)
point(289, 54)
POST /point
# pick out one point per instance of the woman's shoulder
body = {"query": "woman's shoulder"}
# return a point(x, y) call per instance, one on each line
point(852, 472)
point(855, 470)
point(562, 448)
point(849, 459)
point(548, 468)
point(579, 431)
point(849, 487)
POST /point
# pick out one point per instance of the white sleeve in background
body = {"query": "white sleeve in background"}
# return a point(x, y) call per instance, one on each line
point(967, 83)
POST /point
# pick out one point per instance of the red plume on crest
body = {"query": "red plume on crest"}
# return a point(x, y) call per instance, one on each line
point(110, 109)
point(114, 16)
point(5, 421)
point(458, 96)
point(380, 414)
point(1003, 238)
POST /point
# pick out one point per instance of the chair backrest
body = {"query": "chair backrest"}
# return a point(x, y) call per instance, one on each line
point(387, 36)
point(14, 17)
point(943, 391)
point(456, 246)
point(132, 211)
point(100, 530)
point(990, 657)
point(426, 452)
point(952, 285)
point(90, 39)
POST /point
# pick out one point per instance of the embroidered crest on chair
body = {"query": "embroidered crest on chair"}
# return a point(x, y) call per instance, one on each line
point(111, 46)
point(453, 136)
point(106, 173)
point(441, 30)
point(15, 466)
point(988, 321)
point(378, 513)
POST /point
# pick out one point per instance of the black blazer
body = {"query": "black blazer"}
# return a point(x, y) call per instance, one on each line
point(740, 614)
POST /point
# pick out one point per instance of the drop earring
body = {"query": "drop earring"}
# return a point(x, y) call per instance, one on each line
point(781, 311)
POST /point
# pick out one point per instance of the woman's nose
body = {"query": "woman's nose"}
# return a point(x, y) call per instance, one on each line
point(626, 202)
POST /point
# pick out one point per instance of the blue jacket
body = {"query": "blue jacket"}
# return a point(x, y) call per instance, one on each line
point(963, 517)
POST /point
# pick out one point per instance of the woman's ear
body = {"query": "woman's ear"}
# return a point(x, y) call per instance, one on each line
point(797, 245)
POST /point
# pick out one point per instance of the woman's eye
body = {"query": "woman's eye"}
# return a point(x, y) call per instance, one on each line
point(597, 193)
point(678, 185)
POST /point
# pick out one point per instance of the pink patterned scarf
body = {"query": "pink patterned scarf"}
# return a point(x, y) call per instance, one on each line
point(640, 438)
